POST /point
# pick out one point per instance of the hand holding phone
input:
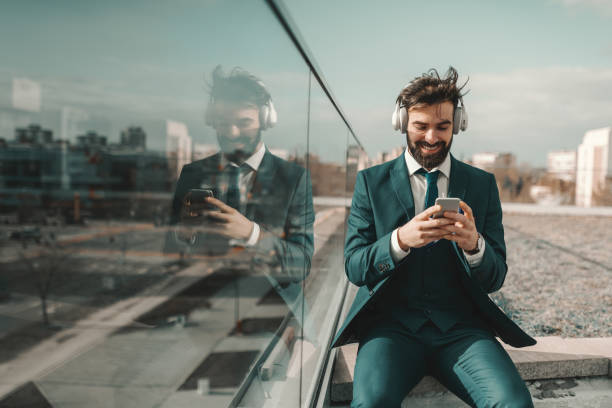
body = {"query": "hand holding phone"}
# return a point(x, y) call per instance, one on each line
point(448, 204)
point(194, 203)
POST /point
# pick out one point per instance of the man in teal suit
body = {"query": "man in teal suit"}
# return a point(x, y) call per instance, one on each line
point(422, 307)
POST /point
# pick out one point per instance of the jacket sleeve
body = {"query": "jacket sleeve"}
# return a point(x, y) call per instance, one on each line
point(491, 272)
point(367, 258)
point(287, 251)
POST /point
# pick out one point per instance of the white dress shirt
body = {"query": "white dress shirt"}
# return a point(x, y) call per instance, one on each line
point(418, 184)
point(245, 183)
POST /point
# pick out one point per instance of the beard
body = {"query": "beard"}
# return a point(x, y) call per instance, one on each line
point(239, 155)
point(431, 160)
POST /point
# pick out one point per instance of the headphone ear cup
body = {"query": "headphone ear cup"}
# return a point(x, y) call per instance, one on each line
point(464, 120)
point(272, 115)
point(264, 116)
point(457, 118)
point(395, 117)
point(460, 120)
point(403, 119)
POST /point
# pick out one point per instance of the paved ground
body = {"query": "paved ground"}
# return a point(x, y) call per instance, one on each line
point(559, 283)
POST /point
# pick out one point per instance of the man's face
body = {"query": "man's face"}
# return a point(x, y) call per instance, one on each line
point(430, 133)
point(238, 129)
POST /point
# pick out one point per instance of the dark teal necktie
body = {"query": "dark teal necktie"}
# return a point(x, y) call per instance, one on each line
point(232, 197)
point(432, 187)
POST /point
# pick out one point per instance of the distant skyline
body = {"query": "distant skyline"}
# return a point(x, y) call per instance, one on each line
point(540, 72)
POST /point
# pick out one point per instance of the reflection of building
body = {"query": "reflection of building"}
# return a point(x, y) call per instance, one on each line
point(490, 161)
point(26, 95)
point(49, 171)
point(562, 164)
point(134, 137)
point(594, 169)
point(201, 151)
point(328, 179)
point(91, 140)
point(72, 121)
point(33, 134)
point(178, 147)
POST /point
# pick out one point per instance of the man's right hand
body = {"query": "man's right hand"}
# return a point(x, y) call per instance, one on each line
point(421, 230)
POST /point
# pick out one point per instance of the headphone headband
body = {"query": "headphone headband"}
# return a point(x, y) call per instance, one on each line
point(399, 119)
point(267, 113)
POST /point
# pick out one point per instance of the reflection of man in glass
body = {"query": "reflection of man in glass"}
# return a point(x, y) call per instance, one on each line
point(261, 202)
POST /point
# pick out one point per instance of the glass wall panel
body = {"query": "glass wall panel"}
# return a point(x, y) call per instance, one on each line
point(290, 374)
point(121, 284)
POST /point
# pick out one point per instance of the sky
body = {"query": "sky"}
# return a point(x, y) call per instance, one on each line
point(540, 71)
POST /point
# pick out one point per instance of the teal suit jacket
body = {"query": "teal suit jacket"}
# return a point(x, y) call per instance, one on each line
point(382, 201)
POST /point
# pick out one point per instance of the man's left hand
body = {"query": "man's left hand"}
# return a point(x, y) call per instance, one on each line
point(464, 230)
point(230, 222)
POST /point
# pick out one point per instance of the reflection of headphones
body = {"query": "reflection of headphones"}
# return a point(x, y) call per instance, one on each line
point(399, 120)
point(267, 113)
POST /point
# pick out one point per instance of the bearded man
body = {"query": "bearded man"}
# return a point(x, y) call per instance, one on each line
point(422, 306)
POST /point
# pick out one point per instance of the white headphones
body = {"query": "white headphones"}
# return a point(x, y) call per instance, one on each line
point(267, 113)
point(399, 120)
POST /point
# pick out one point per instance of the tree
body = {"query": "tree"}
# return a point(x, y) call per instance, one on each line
point(44, 260)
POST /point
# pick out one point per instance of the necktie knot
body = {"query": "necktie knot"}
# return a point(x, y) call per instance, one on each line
point(432, 186)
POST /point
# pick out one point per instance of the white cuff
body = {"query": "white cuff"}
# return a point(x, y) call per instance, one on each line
point(475, 259)
point(254, 236)
point(397, 253)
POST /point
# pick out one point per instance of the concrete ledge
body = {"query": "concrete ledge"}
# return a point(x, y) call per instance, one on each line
point(532, 365)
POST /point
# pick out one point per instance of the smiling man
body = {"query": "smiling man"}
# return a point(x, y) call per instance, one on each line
point(422, 307)
point(259, 201)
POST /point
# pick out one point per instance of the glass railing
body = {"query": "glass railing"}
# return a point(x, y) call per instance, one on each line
point(173, 189)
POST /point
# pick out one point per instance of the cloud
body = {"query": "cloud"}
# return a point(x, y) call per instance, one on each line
point(604, 6)
point(533, 111)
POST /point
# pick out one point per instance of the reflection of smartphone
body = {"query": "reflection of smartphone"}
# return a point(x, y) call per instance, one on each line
point(194, 200)
point(448, 204)
point(197, 195)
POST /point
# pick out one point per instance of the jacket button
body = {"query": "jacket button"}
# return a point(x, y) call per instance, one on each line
point(371, 292)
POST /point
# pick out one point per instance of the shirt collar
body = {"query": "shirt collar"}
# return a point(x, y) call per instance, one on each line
point(413, 166)
point(254, 161)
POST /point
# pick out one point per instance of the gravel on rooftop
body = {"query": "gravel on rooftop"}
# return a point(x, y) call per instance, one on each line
point(559, 279)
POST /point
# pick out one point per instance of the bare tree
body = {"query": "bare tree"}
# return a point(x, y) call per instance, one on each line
point(44, 260)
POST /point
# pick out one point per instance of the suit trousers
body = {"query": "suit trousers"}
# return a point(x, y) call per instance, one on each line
point(467, 360)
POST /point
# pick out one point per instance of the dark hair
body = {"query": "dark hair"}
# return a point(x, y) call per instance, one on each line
point(237, 87)
point(430, 89)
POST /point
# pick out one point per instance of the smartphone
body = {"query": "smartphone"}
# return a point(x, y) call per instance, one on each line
point(195, 199)
point(197, 195)
point(448, 204)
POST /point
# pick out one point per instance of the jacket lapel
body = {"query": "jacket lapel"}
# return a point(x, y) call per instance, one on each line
point(458, 183)
point(401, 184)
point(262, 185)
point(457, 187)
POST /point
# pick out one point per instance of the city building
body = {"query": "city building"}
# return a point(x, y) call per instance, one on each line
point(33, 134)
point(91, 140)
point(133, 137)
point(562, 164)
point(496, 160)
point(178, 147)
point(594, 169)
point(202, 150)
point(382, 157)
